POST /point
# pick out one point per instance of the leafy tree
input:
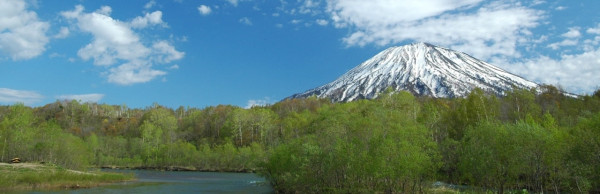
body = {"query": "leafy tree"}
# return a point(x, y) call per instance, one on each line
point(585, 154)
point(152, 139)
point(489, 157)
point(17, 132)
point(295, 125)
point(518, 103)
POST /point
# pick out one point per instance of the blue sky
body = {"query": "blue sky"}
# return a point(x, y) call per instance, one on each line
point(201, 53)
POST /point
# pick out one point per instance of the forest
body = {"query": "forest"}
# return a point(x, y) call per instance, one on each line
point(538, 140)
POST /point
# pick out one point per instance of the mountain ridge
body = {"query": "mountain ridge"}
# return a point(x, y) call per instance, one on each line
point(422, 69)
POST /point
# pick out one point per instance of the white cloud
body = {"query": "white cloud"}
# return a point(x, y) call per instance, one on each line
point(82, 97)
point(572, 33)
point(541, 39)
point(491, 29)
point(322, 22)
point(560, 8)
point(566, 42)
point(73, 14)
point(494, 31)
point(577, 73)
point(113, 39)
point(150, 4)
point(154, 18)
point(204, 10)
point(311, 3)
point(133, 73)
point(591, 44)
point(115, 42)
point(63, 33)
point(174, 67)
point(245, 20)
point(54, 55)
point(571, 39)
point(22, 34)
point(104, 10)
point(163, 52)
point(233, 2)
point(15, 96)
point(260, 102)
point(538, 2)
point(310, 7)
point(378, 13)
point(182, 39)
point(595, 30)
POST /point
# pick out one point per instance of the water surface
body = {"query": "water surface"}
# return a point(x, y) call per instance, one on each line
point(149, 181)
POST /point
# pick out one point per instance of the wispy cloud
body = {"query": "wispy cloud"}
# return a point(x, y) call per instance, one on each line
point(482, 29)
point(296, 21)
point(572, 33)
point(174, 67)
point(204, 10)
point(11, 96)
point(246, 21)
point(322, 22)
point(571, 39)
point(63, 33)
point(82, 97)
point(577, 73)
point(566, 42)
point(233, 2)
point(594, 30)
point(259, 102)
point(150, 4)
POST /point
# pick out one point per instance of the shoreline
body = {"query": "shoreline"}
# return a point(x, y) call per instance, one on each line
point(36, 176)
point(177, 168)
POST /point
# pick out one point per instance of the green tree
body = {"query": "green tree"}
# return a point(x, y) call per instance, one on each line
point(518, 103)
point(17, 133)
point(239, 124)
point(585, 154)
point(152, 139)
point(487, 156)
point(94, 146)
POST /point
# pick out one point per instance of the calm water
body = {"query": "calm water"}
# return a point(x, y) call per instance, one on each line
point(182, 182)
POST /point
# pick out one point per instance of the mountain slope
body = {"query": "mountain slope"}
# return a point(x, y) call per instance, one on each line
point(422, 69)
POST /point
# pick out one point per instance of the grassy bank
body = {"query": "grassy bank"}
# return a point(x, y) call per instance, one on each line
point(30, 176)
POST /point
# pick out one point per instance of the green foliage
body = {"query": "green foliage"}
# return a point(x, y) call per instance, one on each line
point(489, 156)
point(358, 147)
point(520, 103)
point(585, 155)
point(538, 141)
point(523, 154)
point(23, 137)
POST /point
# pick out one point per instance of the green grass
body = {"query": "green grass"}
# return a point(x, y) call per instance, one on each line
point(36, 176)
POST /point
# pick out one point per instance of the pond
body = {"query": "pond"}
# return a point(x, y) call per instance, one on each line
point(149, 181)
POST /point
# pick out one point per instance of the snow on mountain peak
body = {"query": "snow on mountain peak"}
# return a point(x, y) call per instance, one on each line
point(422, 69)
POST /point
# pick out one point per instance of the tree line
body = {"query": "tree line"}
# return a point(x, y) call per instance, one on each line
point(540, 140)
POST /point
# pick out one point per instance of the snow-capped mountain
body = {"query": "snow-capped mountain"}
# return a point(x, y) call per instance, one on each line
point(422, 69)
